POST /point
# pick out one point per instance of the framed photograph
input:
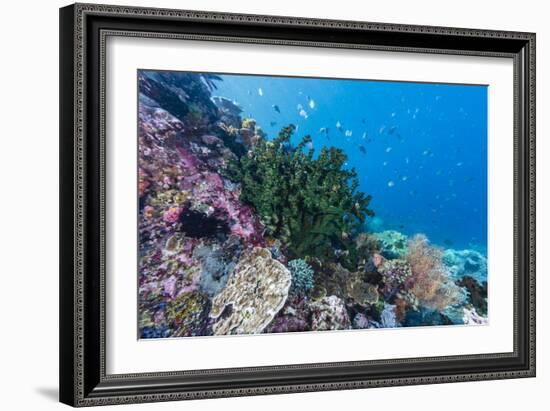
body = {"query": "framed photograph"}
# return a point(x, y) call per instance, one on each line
point(260, 204)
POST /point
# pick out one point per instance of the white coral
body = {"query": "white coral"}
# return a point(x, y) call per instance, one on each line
point(255, 292)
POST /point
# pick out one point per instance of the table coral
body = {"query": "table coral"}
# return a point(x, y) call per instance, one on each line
point(255, 292)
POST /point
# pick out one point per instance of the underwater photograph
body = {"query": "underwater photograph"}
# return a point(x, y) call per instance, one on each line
point(273, 204)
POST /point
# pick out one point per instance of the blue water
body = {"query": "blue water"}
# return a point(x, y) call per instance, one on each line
point(419, 149)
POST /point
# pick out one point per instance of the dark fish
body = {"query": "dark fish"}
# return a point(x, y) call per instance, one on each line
point(401, 227)
point(448, 242)
point(363, 121)
point(392, 129)
point(325, 131)
point(272, 123)
point(276, 108)
point(363, 150)
point(468, 179)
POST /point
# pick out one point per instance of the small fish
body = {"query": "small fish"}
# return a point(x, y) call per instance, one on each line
point(339, 127)
point(260, 92)
point(363, 121)
point(412, 192)
point(381, 129)
point(301, 111)
point(459, 164)
point(311, 103)
point(468, 179)
point(401, 226)
point(385, 163)
point(392, 129)
point(309, 145)
point(391, 183)
point(348, 133)
point(388, 149)
point(426, 152)
point(325, 131)
point(362, 149)
point(364, 136)
point(272, 123)
point(276, 108)
point(448, 242)
point(404, 178)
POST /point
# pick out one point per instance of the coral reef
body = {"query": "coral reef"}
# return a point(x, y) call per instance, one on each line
point(464, 263)
point(295, 316)
point(394, 274)
point(477, 293)
point(429, 280)
point(254, 294)
point(243, 233)
point(471, 317)
point(329, 313)
point(302, 276)
point(388, 317)
point(311, 204)
point(391, 244)
point(187, 314)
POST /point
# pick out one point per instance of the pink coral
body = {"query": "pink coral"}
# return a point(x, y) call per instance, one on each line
point(169, 286)
point(172, 214)
point(430, 281)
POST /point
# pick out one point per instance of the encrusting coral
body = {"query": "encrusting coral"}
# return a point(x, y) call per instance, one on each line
point(254, 294)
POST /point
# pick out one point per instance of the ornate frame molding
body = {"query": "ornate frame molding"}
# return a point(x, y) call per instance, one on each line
point(84, 29)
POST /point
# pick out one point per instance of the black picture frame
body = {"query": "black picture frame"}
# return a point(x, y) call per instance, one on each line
point(83, 380)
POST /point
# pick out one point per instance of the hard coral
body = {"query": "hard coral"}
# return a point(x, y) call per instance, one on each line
point(256, 291)
point(302, 276)
point(394, 274)
point(187, 314)
point(392, 244)
point(329, 314)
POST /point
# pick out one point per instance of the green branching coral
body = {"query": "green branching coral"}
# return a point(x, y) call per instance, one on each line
point(302, 277)
point(311, 204)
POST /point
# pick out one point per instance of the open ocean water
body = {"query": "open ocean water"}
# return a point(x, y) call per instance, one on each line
point(419, 149)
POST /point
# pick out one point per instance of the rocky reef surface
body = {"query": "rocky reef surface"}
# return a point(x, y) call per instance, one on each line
point(242, 234)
